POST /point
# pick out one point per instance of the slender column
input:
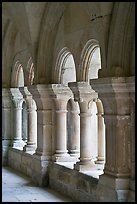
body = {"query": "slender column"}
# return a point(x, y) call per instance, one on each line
point(61, 94)
point(31, 119)
point(101, 134)
point(24, 122)
point(113, 92)
point(85, 138)
point(85, 96)
point(75, 143)
point(17, 102)
point(61, 137)
point(32, 127)
point(74, 129)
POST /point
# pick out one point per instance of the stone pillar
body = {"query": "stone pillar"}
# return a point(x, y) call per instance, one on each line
point(114, 183)
point(101, 133)
point(24, 122)
point(17, 99)
point(60, 94)
point(131, 88)
point(43, 153)
point(6, 124)
point(85, 96)
point(32, 121)
point(75, 134)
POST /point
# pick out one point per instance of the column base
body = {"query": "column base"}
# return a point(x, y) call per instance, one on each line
point(74, 153)
point(100, 161)
point(112, 189)
point(29, 148)
point(62, 156)
point(18, 143)
point(84, 166)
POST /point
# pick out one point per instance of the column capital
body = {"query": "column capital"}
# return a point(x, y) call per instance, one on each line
point(25, 92)
point(82, 91)
point(60, 94)
point(60, 91)
point(29, 99)
point(41, 95)
point(84, 94)
point(17, 97)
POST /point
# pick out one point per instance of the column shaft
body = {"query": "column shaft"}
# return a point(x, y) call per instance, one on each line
point(61, 145)
point(75, 140)
point(101, 139)
point(85, 137)
point(17, 124)
point(32, 127)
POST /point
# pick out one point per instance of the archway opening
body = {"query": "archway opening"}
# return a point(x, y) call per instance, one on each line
point(20, 76)
point(68, 73)
point(95, 64)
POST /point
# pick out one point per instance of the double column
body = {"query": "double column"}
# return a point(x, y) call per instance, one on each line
point(113, 92)
point(60, 95)
point(31, 120)
point(17, 99)
point(85, 96)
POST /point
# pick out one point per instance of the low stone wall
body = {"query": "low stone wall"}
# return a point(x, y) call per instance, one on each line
point(78, 186)
point(20, 161)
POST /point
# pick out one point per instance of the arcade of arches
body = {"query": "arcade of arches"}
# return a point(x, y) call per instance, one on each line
point(68, 96)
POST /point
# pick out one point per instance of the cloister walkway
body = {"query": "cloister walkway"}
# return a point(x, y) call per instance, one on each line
point(17, 187)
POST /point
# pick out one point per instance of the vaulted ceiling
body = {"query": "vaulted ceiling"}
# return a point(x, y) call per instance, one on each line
point(41, 29)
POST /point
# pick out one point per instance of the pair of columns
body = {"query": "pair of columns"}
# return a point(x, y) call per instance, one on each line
point(17, 99)
point(55, 123)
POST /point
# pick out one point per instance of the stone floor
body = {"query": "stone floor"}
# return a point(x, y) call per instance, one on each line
point(18, 188)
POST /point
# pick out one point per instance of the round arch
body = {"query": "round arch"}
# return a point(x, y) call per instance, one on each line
point(59, 74)
point(17, 78)
point(85, 60)
point(30, 71)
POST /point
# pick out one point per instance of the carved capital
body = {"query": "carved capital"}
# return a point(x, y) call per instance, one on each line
point(17, 97)
point(40, 94)
point(84, 94)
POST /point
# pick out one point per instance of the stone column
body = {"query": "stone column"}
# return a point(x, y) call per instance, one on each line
point(131, 88)
point(60, 94)
point(85, 96)
point(17, 99)
point(32, 121)
point(75, 137)
point(101, 133)
point(6, 124)
point(114, 183)
point(43, 153)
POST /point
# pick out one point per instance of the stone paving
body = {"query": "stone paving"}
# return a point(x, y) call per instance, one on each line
point(17, 187)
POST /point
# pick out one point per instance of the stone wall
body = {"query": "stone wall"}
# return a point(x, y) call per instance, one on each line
point(78, 186)
point(21, 161)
